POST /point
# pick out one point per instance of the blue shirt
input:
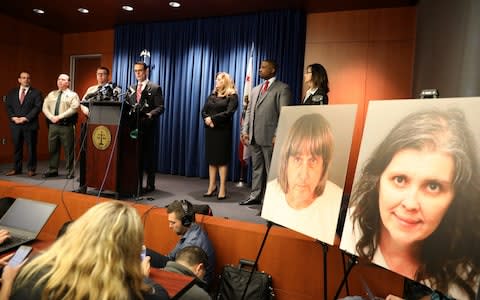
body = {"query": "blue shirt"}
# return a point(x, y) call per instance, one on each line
point(196, 236)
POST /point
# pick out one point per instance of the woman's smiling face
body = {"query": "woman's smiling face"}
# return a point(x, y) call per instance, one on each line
point(415, 191)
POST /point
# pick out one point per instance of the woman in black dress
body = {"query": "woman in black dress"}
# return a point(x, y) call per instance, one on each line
point(316, 79)
point(217, 114)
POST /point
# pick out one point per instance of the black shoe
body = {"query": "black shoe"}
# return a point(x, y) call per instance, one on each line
point(222, 197)
point(213, 193)
point(50, 174)
point(81, 190)
point(148, 189)
point(250, 201)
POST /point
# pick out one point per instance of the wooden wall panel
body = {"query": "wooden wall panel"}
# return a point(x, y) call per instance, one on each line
point(44, 54)
point(34, 49)
point(294, 260)
point(368, 54)
point(98, 42)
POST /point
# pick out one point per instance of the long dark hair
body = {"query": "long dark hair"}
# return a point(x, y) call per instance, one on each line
point(319, 77)
point(451, 253)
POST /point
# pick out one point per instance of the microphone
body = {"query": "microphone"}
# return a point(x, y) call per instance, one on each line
point(131, 90)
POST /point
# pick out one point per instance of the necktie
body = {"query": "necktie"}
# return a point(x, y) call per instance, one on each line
point(22, 95)
point(57, 105)
point(139, 92)
point(265, 87)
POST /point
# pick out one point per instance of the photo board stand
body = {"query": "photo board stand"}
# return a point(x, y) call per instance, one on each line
point(269, 226)
point(353, 260)
point(325, 251)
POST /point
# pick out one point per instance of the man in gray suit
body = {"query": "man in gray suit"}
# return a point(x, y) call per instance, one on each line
point(260, 125)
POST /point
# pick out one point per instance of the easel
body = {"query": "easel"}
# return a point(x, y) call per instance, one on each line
point(353, 261)
point(325, 251)
point(269, 226)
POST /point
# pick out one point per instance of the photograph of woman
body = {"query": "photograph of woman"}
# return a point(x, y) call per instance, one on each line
point(414, 207)
point(316, 79)
point(302, 195)
point(217, 114)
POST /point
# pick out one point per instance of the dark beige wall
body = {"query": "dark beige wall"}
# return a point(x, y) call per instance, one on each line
point(448, 47)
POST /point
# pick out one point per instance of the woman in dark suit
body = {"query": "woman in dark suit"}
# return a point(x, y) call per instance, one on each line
point(316, 80)
point(217, 114)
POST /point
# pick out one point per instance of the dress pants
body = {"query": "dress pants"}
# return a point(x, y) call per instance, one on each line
point(148, 161)
point(21, 135)
point(64, 135)
point(261, 157)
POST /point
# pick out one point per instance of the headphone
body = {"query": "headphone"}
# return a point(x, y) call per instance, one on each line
point(188, 214)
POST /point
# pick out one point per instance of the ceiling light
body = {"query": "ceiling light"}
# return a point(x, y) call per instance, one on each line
point(83, 10)
point(127, 8)
point(174, 4)
point(38, 11)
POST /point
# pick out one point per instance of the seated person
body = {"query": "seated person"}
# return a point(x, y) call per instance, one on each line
point(191, 261)
point(8, 276)
point(181, 219)
point(4, 235)
point(98, 257)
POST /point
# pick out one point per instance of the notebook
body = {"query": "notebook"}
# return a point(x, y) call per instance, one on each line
point(24, 220)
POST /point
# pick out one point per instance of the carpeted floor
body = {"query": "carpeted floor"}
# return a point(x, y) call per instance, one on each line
point(168, 188)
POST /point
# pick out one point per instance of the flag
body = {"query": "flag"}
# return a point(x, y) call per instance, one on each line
point(243, 151)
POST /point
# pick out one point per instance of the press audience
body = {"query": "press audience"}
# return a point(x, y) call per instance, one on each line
point(181, 219)
point(191, 261)
point(98, 257)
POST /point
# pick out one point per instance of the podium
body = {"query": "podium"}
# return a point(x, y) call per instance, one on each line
point(112, 160)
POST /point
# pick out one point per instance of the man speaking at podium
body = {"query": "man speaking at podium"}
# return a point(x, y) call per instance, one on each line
point(146, 100)
point(102, 74)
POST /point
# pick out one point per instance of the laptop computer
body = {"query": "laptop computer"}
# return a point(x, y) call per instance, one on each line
point(24, 220)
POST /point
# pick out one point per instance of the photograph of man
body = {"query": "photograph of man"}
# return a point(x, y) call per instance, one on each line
point(302, 195)
point(60, 107)
point(181, 220)
point(260, 125)
point(147, 105)
point(414, 207)
point(24, 103)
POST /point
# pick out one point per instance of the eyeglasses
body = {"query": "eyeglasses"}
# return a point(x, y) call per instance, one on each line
point(308, 72)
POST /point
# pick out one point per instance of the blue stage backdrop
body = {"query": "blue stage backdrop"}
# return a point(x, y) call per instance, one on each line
point(185, 57)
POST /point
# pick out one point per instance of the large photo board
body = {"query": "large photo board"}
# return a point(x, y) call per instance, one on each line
point(415, 206)
point(308, 169)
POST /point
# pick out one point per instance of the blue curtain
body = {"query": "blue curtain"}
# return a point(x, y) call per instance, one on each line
point(185, 57)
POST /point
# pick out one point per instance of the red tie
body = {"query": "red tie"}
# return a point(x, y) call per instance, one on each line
point(265, 87)
point(22, 96)
point(139, 92)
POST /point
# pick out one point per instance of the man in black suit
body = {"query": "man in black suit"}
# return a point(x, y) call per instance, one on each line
point(146, 100)
point(24, 103)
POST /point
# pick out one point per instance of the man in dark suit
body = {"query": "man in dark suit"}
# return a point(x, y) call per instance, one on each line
point(146, 100)
point(260, 125)
point(24, 103)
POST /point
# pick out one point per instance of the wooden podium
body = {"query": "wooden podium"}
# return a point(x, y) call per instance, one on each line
point(112, 155)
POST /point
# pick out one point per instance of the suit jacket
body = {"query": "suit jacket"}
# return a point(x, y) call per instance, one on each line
point(319, 92)
point(151, 100)
point(30, 108)
point(265, 110)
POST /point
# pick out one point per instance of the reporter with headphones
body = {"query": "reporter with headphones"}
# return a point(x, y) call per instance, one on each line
point(181, 219)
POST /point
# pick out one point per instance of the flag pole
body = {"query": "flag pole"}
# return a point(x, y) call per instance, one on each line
point(244, 152)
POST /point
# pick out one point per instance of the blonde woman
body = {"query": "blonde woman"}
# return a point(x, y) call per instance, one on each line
point(97, 258)
point(217, 114)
